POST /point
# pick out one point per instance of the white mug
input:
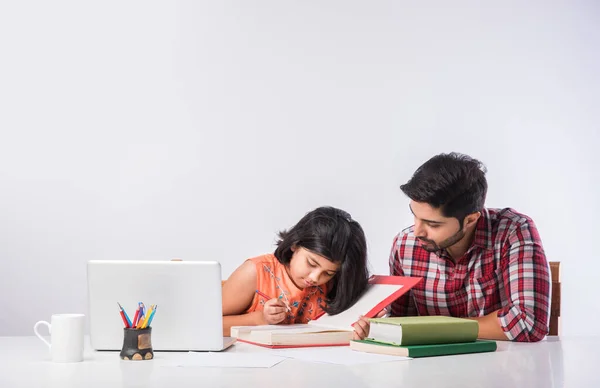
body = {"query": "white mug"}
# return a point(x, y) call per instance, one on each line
point(66, 337)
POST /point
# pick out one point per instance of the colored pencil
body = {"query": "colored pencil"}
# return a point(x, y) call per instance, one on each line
point(124, 316)
point(152, 316)
point(145, 323)
point(267, 297)
point(135, 317)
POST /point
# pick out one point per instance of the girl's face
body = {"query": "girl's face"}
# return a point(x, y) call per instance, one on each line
point(308, 269)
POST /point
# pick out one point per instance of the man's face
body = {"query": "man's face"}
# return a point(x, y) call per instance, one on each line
point(434, 231)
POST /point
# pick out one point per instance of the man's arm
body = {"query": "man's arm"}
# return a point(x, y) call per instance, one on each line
point(526, 281)
point(489, 327)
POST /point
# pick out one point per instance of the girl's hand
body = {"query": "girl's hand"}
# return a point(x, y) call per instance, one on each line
point(274, 311)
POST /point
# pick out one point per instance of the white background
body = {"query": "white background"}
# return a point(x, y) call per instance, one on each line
point(152, 130)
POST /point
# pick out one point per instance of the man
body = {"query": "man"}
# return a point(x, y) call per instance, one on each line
point(484, 264)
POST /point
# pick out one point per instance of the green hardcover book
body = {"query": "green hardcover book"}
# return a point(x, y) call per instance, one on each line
point(423, 330)
point(416, 351)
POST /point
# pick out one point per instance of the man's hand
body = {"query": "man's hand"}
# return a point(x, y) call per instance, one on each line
point(274, 311)
point(363, 326)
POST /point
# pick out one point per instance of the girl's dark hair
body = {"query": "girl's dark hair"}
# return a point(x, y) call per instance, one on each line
point(454, 183)
point(331, 233)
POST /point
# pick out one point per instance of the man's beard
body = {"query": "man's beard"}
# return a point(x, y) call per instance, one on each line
point(431, 246)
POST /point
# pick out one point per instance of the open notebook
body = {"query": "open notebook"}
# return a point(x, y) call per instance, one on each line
point(329, 330)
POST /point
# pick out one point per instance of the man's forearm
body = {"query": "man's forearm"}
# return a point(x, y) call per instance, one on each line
point(489, 327)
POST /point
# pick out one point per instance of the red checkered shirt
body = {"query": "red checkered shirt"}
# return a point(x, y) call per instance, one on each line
point(504, 269)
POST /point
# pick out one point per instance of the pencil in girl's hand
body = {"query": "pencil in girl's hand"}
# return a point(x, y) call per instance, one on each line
point(267, 297)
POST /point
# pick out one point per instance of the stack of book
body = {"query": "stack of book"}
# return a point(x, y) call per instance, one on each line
point(423, 337)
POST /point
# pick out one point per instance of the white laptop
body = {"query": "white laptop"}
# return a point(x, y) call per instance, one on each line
point(187, 293)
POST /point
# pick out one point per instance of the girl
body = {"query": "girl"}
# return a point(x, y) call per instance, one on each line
point(319, 265)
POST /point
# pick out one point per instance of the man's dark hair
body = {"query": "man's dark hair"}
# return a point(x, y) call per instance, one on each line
point(454, 183)
point(333, 234)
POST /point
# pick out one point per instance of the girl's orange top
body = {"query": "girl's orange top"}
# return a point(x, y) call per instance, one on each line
point(273, 280)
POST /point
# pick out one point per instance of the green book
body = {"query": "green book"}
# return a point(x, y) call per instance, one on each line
point(415, 351)
point(423, 330)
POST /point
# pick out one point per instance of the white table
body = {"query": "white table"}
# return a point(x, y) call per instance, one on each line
point(568, 362)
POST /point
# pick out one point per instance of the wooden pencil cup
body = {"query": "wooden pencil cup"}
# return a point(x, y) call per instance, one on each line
point(137, 344)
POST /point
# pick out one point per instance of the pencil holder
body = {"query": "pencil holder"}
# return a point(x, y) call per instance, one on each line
point(137, 344)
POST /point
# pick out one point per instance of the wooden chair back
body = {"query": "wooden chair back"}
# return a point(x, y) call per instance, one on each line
point(555, 299)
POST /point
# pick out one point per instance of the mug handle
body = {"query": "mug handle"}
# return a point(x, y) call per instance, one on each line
point(35, 330)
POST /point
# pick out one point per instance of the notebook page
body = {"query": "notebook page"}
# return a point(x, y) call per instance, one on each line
point(270, 327)
point(374, 294)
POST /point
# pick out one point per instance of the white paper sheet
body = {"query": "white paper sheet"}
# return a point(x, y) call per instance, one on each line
point(341, 355)
point(226, 360)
